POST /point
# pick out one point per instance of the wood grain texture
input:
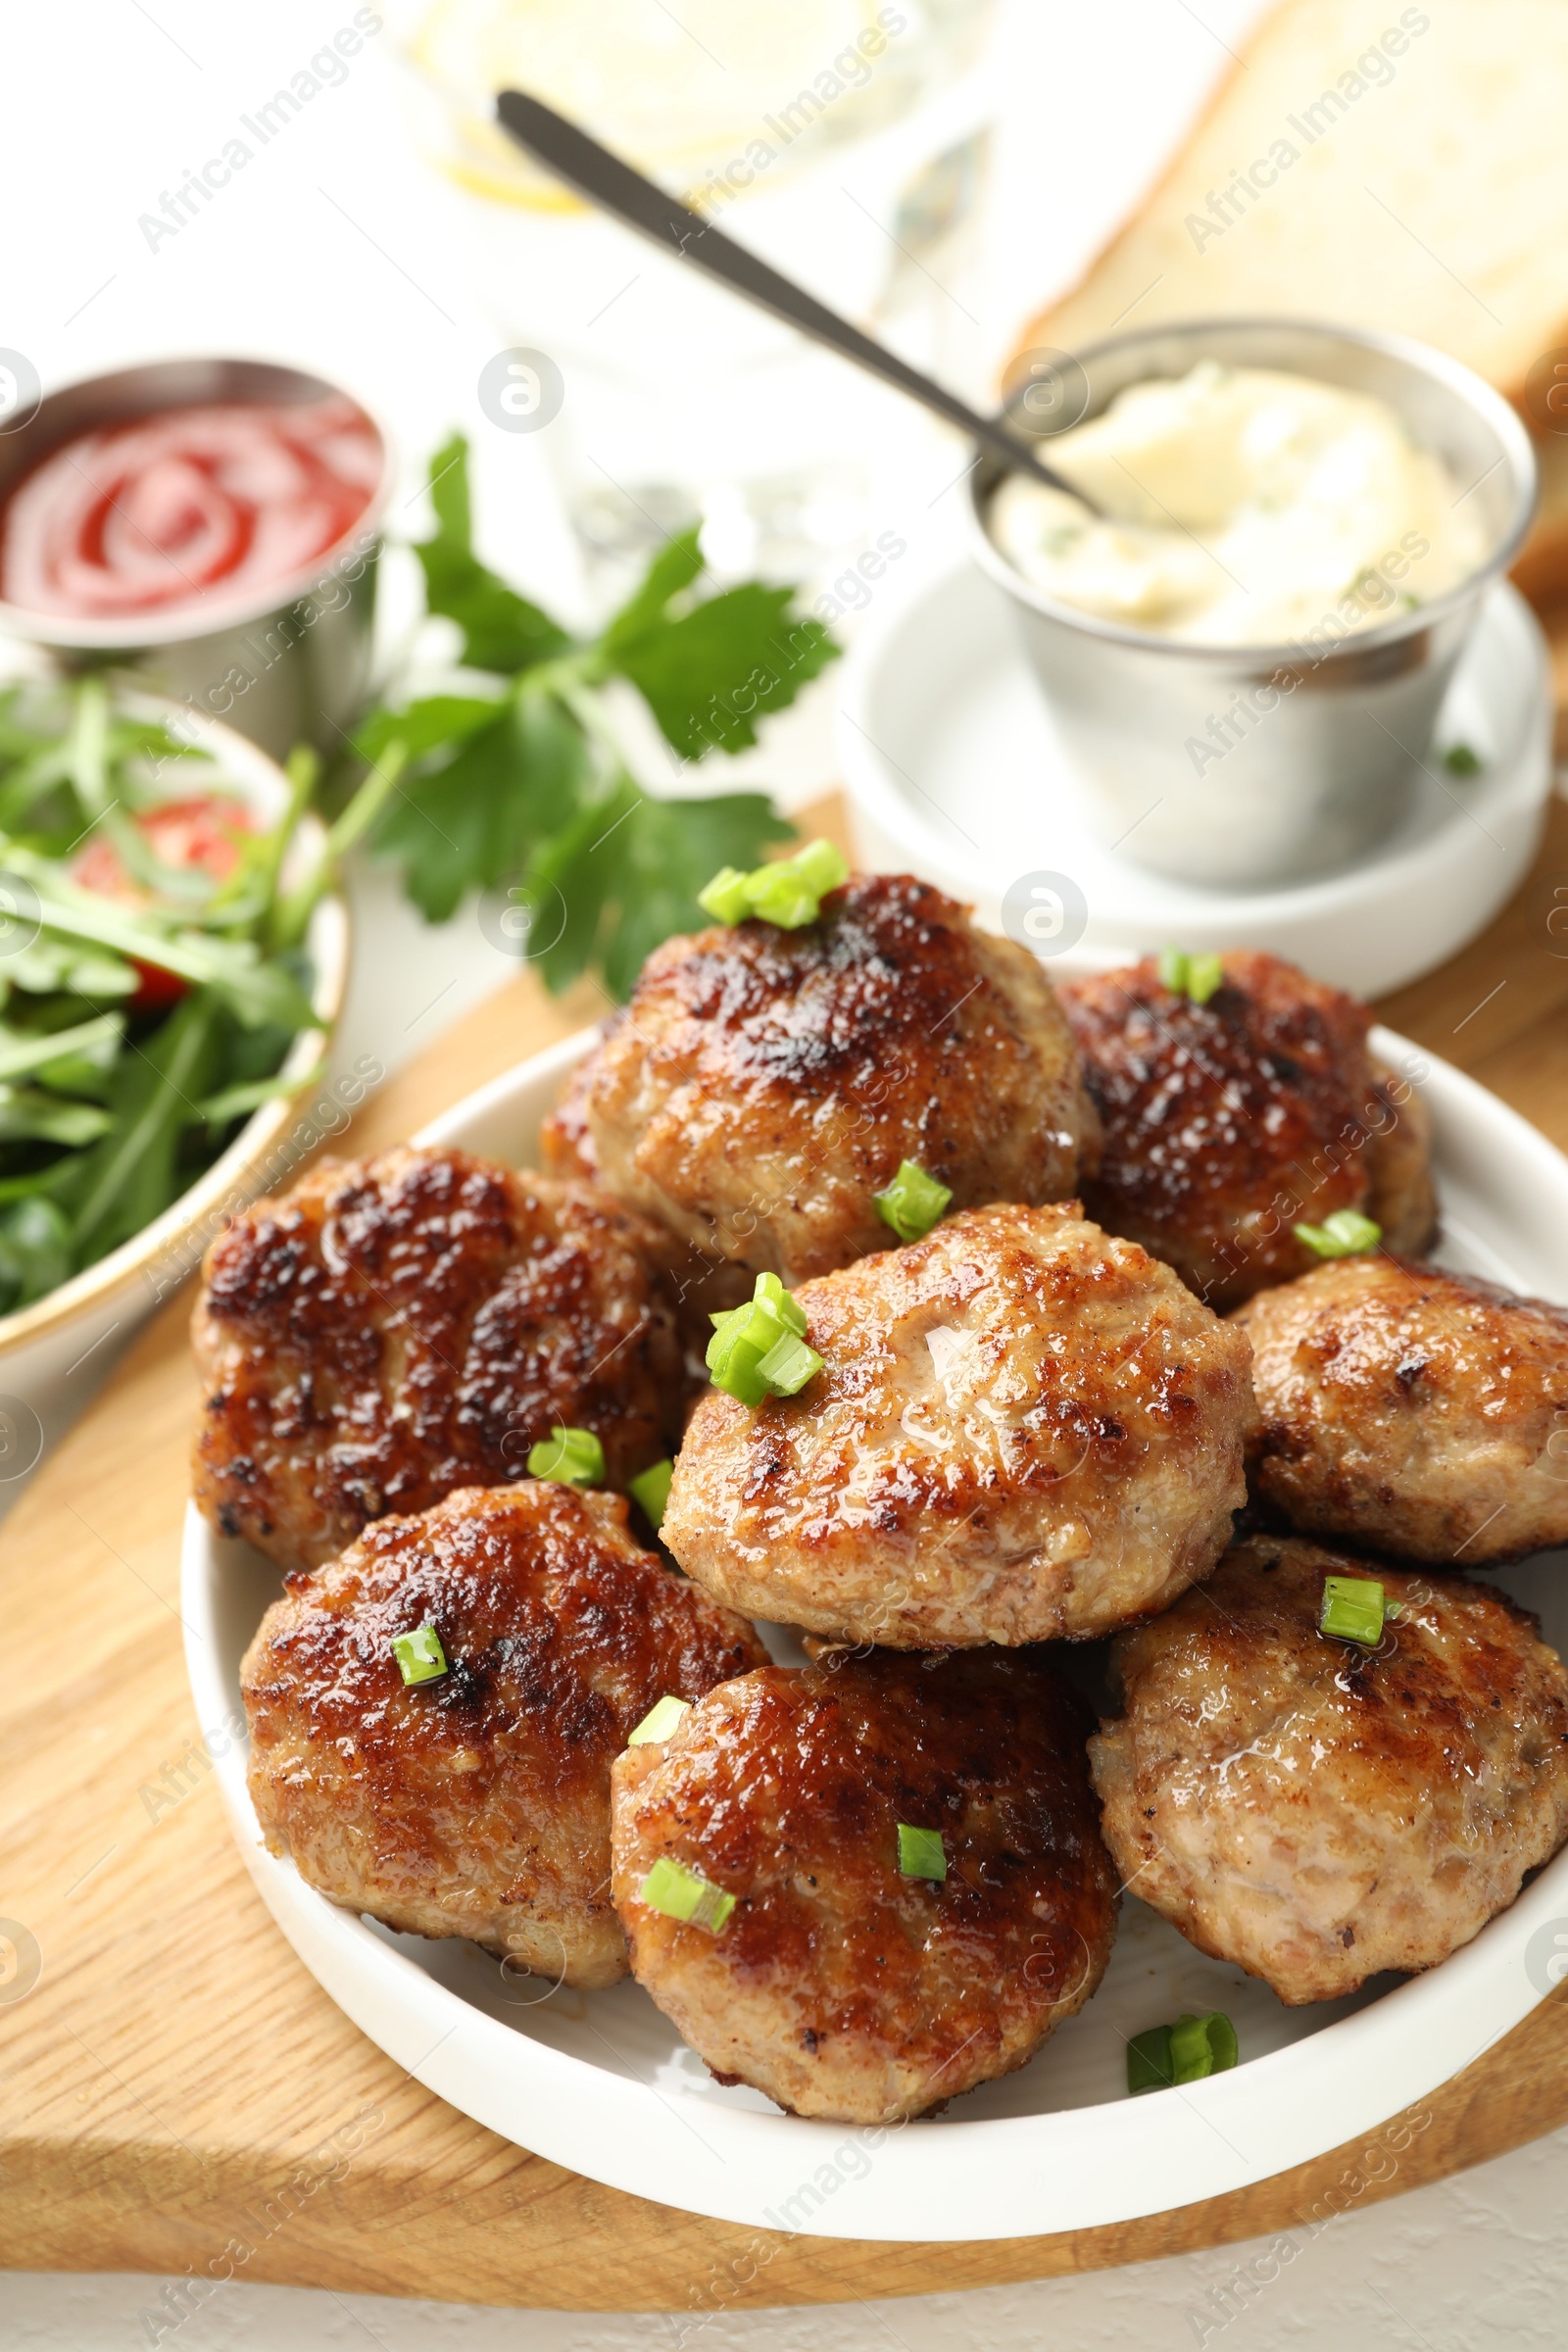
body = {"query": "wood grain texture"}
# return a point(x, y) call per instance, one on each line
point(177, 2094)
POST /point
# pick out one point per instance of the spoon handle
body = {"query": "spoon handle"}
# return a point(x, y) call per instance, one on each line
point(569, 152)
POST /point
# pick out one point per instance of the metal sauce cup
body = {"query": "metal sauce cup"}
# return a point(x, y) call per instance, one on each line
point(286, 664)
point(1307, 753)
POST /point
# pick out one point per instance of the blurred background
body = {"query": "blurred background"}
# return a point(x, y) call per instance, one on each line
point(954, 169)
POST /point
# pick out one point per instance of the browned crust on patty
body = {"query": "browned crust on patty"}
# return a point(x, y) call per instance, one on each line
point(476, 1804)
point(396, 1328)
point(1416, 1410)
point(839, 1986)
point(1225, 1124)
point(1316, 1812)
point(763, 1085)
point(1023, 1428)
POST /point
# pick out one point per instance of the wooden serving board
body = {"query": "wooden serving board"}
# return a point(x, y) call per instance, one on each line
point(177, 2094)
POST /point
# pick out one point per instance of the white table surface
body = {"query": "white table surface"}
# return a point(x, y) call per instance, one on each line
point(103, 105)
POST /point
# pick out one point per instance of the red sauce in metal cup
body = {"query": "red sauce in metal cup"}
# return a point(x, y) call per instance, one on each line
point(188, 504)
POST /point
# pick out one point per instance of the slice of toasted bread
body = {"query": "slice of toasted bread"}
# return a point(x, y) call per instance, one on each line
point(1381, 165)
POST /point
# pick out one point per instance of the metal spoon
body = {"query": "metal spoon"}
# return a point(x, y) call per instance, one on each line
point(572, 156)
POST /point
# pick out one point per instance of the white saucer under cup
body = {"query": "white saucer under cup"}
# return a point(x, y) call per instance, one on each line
point(956, 773)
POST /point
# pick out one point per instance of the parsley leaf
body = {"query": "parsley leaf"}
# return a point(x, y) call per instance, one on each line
point(626, 876)
point(706, 671)
point(677, 566)
point(470, 820)
point(500, 629)
point(526, 789)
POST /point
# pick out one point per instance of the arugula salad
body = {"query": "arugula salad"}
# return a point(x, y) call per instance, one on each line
point(153, 973)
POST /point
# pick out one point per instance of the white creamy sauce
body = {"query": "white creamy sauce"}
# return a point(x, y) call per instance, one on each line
point(1246, 507)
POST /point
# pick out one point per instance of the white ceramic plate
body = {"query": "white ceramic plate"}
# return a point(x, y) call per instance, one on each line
point(947, 747)
point(602, 2083)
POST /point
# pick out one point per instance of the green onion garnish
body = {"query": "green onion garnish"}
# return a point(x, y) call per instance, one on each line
point(1347, 1233)
point(1185, 2052)
point(770, 1293)
point(684, 1894)
point(573, 1455)
point(786, 893)
point(1460, 760)
point(1352, 1609)
point(651, 1489)
point(760, 1349)
point(913, 1203)
point(724, 897)
point(1202, 2045)
point(420, 1655)
point(921, 1853)
point(1194, 976)
point(660, 1721)
point(788, 1365)
point(1149, 2062)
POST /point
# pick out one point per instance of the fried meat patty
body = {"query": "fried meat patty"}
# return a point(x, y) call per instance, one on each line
point(1411, 1409)
point(476, 1804)
point(838, 1985)
point(396, 1328)
point(1225, 1124)
point(763, 1084)
point(1313, 1811)
point(1023, 1428)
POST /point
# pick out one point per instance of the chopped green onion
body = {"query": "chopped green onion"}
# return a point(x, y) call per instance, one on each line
point(786, 893)
point(660, 1721)
point(1149, 2063)
point(1205, 975)
point(824, 867)
point(913, 1203)
point(1460, 760)
point(788, 1366)
point(734, 1360)
point(420, 1655)
point(1223, 2046)
point(779, 894)
point(771, 1294)
point(725, 898)
point(651, 1489)
point(1193, 976)
point(1352, 1609)
point(1202, 2045)
point(1186, 2052)
point(574, 1457)
point(759, 1351)
point(684, 1894)
point(1347, 1233)
point(921, 1853)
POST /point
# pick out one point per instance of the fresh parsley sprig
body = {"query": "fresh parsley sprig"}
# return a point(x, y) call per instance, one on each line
point(520, 782)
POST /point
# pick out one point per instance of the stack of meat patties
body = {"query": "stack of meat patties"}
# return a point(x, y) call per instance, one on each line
point(1007, 1293)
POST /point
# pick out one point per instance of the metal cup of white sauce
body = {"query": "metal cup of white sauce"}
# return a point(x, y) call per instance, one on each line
point(284, 663)
point(1266, 764)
